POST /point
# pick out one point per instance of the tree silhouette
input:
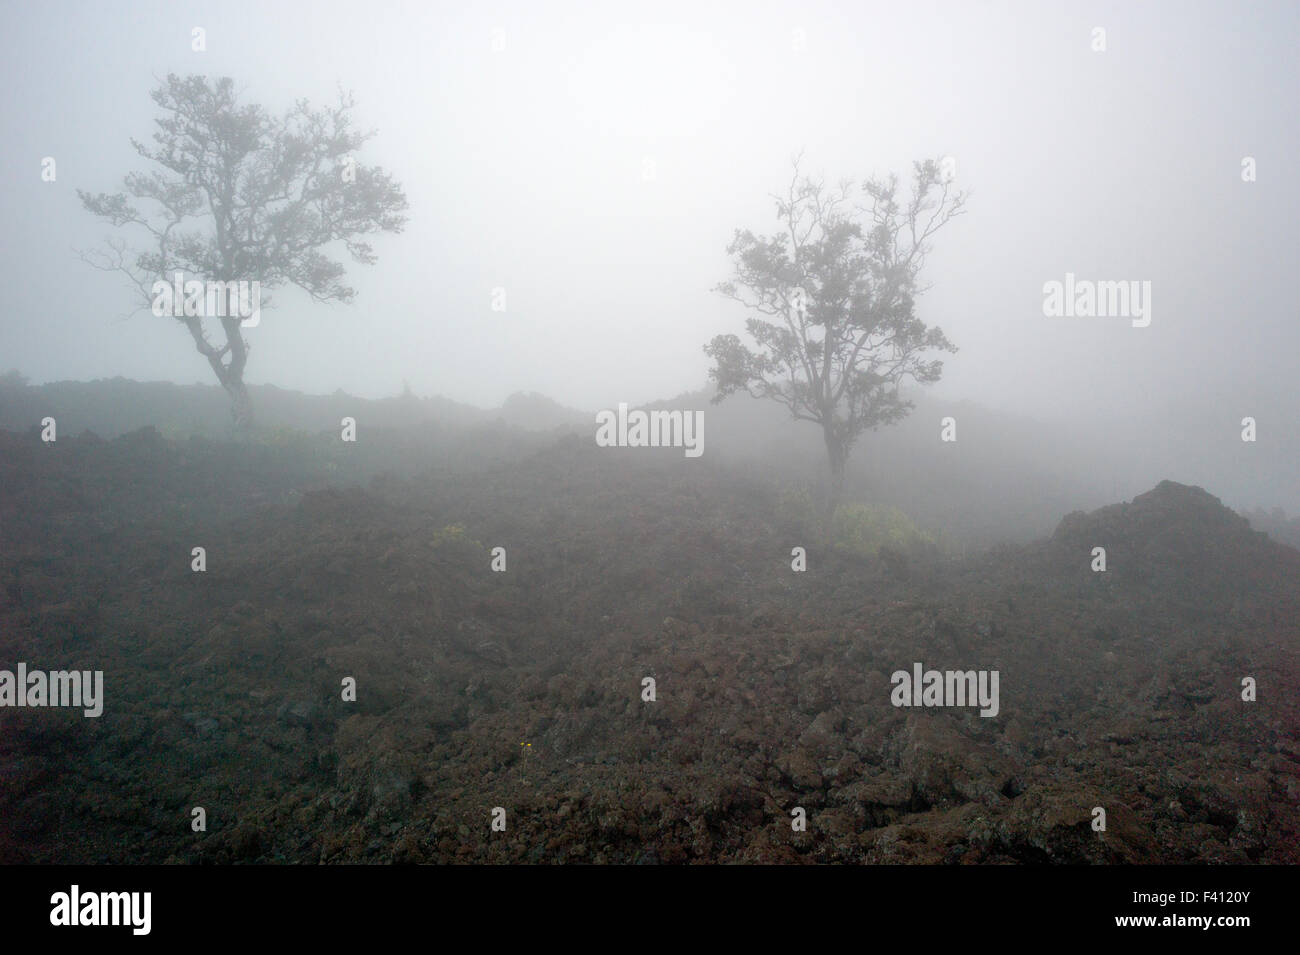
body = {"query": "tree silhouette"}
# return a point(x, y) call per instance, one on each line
point(244, 196)
point(834, 289)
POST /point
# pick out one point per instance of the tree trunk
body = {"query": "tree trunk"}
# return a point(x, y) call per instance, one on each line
point(837, 456)
point(230, 375)
point(241, 407)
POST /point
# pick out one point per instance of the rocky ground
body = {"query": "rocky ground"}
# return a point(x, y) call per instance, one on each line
point(522, 690)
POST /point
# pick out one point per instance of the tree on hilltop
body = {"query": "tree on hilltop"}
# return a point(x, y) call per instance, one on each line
point(237, 195)
point(832, 302)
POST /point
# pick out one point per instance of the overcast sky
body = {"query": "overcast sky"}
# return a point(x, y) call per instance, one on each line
point(525, 165)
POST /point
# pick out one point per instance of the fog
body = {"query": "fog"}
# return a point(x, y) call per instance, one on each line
point(551, 433)
point(593, 161)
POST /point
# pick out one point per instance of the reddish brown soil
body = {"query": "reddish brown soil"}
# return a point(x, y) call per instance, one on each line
point(522, 689)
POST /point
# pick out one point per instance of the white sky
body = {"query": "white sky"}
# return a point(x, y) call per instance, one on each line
point(524, 169)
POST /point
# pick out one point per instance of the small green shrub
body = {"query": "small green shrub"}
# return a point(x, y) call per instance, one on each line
point(859, 527)
point(866, 528)
point(454, 536)
point(451, 534)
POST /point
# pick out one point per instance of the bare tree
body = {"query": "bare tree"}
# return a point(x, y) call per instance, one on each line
point(241, 195)
point(834, 291)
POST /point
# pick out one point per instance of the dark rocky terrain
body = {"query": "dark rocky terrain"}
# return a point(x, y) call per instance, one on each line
point(522, 689)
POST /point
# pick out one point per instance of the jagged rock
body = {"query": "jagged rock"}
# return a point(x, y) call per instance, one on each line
point(203, 726)
point(298, 713)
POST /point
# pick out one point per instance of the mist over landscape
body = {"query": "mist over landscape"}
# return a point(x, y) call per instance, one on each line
point(526, 170)
point(691, 433)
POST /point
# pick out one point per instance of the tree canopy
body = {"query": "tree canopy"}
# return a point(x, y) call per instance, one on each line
point(237, 194)
point(831, 297)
